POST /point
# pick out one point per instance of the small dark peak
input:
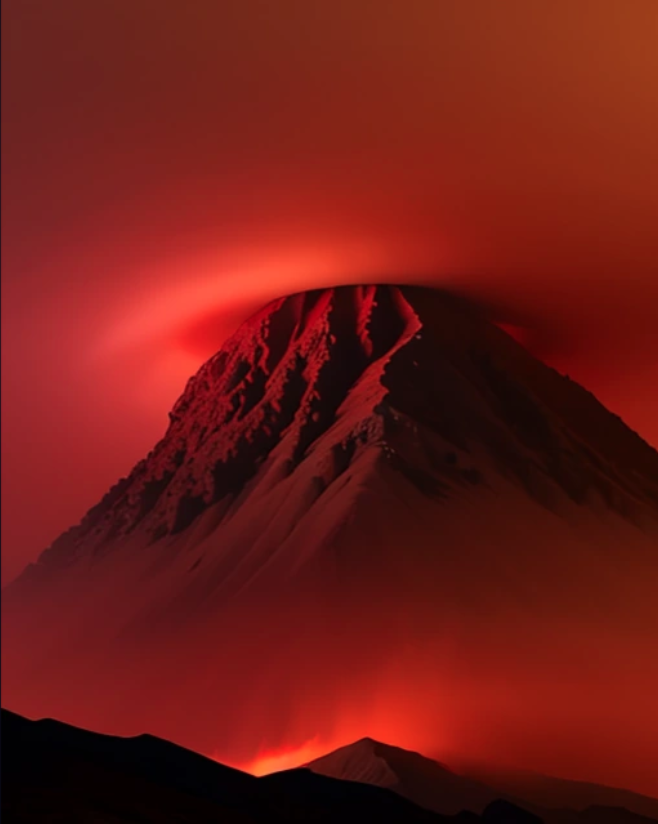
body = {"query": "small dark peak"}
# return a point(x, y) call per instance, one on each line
point(600, 814)
point(451, 458)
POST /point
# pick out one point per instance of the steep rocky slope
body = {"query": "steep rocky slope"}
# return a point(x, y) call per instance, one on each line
point(370, 357)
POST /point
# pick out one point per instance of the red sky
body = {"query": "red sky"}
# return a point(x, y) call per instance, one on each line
point(167, 167)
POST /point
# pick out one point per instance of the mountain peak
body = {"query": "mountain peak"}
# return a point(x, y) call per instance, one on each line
point(423, 780)
point(354, 366)
point(380, 749)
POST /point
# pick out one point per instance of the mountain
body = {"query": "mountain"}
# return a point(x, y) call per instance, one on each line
point(52, 771)
point(436, 787)
point(548, 791)
point(372, 513)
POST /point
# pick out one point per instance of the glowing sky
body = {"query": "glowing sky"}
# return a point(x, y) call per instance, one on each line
point(167, 167)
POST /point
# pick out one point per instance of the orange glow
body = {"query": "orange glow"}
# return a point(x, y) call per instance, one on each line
point(286, 758)
point(244, 280)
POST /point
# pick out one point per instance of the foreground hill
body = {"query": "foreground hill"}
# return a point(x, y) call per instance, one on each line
point(54, 772)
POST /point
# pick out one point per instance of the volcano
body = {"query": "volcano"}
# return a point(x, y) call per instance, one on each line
point(373, 513)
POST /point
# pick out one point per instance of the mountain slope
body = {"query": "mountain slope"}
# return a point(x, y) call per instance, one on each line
point(371, 504)
point(436, 787)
